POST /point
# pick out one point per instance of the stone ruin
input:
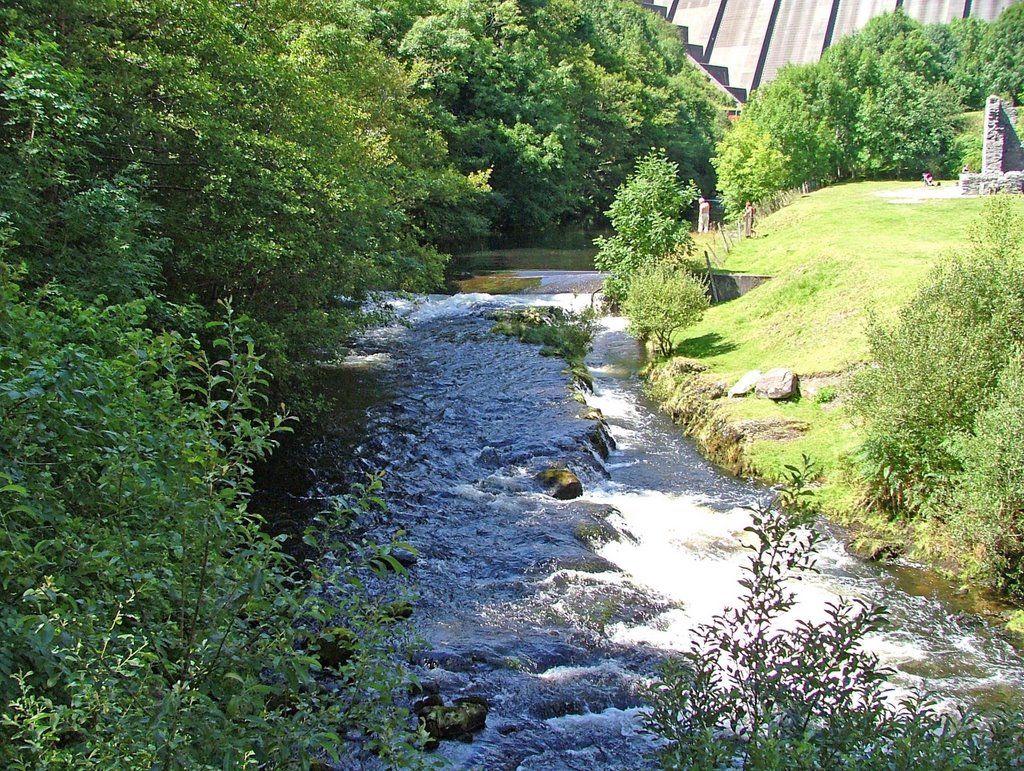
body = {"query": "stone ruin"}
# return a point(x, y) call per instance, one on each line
point(1002, 165)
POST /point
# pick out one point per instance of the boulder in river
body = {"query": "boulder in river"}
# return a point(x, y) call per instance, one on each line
point(746, 383)
point(458, 721)
point(777, 384)
point(559, 482)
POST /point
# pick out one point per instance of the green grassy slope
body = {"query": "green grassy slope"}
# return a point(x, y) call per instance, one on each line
point(836, 255)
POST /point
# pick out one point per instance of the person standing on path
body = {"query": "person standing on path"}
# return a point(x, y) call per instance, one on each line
point(703, 215)
point(748, 219)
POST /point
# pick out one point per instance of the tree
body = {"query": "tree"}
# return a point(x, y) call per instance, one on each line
point(905, 125)
point(960, 44)
point(750, 165)
point(662, 300)
point(648, 218)
point(791, 110)
point(1003, 66)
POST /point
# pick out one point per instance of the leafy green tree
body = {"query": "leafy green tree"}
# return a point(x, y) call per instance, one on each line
point(960, 45)
point(750, 166)
point(650, 227)
point(905, 126)
point(661, 301)
point(1004, 40)
point(791, 109)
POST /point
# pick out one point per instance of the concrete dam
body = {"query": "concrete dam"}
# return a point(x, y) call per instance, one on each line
point(741, 44)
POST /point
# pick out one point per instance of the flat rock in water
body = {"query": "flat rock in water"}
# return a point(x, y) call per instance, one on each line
point(746, 383)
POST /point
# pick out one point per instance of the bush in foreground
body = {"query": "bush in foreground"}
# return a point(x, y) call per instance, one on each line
point(752, 693)
point(147, 620)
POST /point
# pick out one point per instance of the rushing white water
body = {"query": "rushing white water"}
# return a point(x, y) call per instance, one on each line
point(686, 548)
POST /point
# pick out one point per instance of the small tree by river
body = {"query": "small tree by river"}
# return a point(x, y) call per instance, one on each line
point(648, 216)
point(662, 300)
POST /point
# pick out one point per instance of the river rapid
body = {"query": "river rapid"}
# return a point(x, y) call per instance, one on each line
point(557, 612)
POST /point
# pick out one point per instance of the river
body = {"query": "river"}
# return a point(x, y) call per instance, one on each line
point(557, 612)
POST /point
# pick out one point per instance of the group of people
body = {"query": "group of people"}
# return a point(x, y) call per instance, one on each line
point(704, 216)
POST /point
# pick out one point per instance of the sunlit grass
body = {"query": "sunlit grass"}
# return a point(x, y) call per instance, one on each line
point(836, 255)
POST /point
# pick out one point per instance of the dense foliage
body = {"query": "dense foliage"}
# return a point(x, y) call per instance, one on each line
point(663, 300)
point(556, 99)
point(164, 161)
point(648, 216)
point(147, 619)
point(291, 154)
point(941, 405)
point(755, 690)
point(882, 102)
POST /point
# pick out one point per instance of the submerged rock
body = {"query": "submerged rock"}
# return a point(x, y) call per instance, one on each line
point(595, 533)
point(458, 721)
point(559, 482)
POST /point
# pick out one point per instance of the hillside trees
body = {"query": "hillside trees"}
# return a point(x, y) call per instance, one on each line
point(1003, 66)
point(273, 156)
point(558, 99)
point(881, 102)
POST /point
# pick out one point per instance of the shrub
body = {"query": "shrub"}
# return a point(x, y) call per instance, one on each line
point(826, 394)
point(147, 619)
point(935, 364)
point(661, 301)
point(987, 507)
point(751, 693)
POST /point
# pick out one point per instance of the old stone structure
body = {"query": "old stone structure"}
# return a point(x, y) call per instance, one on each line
point(1002, 164)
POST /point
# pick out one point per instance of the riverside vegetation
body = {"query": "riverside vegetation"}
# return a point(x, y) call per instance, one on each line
point(198, 199)
point(908, 451)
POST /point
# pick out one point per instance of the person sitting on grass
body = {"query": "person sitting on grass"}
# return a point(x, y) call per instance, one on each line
point(928, 179)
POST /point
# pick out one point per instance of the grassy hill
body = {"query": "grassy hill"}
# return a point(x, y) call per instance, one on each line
point(836, 256)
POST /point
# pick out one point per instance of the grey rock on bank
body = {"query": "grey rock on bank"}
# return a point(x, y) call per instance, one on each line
point(777, 384)
point(746, 383)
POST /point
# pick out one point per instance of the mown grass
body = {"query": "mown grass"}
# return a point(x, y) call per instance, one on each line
point(837, 256)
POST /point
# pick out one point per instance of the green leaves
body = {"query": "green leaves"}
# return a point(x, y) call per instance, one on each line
point(754, 692)
point(661, 301)
point(147, 619)
point(648, 217)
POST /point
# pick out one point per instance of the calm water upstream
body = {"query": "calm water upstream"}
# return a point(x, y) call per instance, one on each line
point(556, 635)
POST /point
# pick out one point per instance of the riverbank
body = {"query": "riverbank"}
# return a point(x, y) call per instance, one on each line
point(837, 256)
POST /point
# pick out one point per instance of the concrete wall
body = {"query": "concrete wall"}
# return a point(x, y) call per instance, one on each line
point(752, 39)
point(729, 286)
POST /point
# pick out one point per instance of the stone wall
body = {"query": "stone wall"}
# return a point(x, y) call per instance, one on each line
point(986, 184)
point(729, 286)
point(1002, 157)
point(1001, 149)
